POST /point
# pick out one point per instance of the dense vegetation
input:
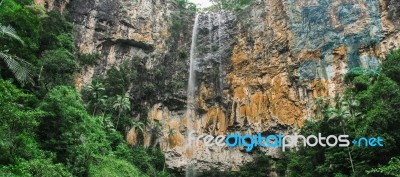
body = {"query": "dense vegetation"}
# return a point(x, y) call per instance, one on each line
point(47, 128)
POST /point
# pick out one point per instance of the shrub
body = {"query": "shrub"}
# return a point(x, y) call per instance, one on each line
point(19, 120)
point(57, 67)
point(41, 168)
point(69, 131)
point(391, 66)
point(111, 166)
point(88, 59)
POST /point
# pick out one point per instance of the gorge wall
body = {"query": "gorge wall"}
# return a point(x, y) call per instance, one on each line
point(257, 70)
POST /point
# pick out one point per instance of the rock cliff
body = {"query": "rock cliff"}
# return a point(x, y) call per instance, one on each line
point(257, 70)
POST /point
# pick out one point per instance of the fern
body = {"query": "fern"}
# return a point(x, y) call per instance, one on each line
point(18, 67)
point(10, 32)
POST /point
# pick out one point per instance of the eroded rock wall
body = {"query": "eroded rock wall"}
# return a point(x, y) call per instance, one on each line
point(122, 30)
point(257, 70)
point(280, 55)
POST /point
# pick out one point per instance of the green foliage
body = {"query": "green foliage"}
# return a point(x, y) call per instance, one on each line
point(122, 105)
point(150, 161)
point(69, 131)
point(24, 2)
point(57, 68)
point(176, 24)
point(391, 66)
point(52, 133)
point(380, 104)
point(58, 33)
point(188, 5)
point(94, 95)
point(19, 67)
point(111, 166)
point(48, 35)
point(38, 10)
point(19, 120)
point(41, 168)
point(20, 152)
point(88, 59)
point(230, 4)
point(147, 84)
point(10, 32)
point(187, 10)
point(354, 72)
point(362, 82)
point(392, 168)
point(118, 78)
point(28, 26)
point(138, 126)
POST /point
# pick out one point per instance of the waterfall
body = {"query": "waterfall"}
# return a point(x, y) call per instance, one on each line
point(190, 112)
point(192, 75)
point(204, 58)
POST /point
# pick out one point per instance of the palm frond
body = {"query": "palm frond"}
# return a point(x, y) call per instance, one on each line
point(17, 66)
point(10, 31)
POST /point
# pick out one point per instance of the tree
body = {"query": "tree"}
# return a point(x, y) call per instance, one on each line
point(17, 66)
point(20, 49)
point(392, 168)
point(114, 166)
point(57, 68)
point(76, 137)
point(95, 96)
point(19, 119)
point(342, 113)
point(156, 130)
point(391, 67)
point(138, 125)
point(121, 104)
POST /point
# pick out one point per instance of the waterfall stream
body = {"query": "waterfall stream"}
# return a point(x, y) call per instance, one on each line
point(190, 112)
point(206, 61)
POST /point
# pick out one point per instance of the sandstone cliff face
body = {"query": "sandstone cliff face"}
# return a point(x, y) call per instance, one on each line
point(257, 70)
point(278, 57)
point(122, 30)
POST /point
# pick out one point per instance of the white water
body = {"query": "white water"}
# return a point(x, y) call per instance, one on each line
point(190, 112)
point(192, 75)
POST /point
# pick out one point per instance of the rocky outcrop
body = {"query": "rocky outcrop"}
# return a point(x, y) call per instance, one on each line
point(278, 56)
point(257, 70)
point(122, 30)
